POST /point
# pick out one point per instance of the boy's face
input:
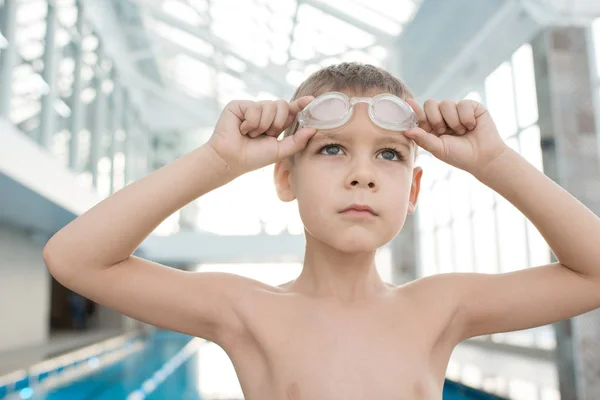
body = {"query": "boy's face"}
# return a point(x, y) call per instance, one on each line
point(354, 164)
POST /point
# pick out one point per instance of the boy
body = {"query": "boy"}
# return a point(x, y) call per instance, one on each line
point(337, 331)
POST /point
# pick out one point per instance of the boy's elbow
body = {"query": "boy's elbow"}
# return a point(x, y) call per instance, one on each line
point(55, 261)
point(65, 264)
point(49, 257)
point(59, 267)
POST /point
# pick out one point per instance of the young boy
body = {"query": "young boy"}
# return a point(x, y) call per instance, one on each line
point(337, 331)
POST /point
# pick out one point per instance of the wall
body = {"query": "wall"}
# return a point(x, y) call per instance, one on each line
point(24, 291)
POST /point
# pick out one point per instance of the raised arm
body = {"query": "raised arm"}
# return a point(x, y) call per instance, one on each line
point(93, 254)
point(464, 135)
point(544, 294)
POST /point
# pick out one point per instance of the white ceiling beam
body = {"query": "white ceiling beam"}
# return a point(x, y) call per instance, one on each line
point(253, 86)
point(562, 12)
point(3, 41)
point(142, 54)
point(198, 108)
point(105, 22)
point(382, 36)
point(494, 28)
point(274, 74)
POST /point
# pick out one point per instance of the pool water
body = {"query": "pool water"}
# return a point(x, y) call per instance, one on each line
point(169, 366)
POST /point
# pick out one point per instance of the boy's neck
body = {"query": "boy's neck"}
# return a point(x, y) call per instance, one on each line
point(338, 276)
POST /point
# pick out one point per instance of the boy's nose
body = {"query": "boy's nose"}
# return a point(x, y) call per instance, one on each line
point(370, 184)
point(361, 176)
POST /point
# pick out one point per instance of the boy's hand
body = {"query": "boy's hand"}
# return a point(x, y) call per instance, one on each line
point(462, 135)
point(246, 133)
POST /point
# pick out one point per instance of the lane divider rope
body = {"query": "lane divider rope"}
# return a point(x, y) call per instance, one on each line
point(166, 370)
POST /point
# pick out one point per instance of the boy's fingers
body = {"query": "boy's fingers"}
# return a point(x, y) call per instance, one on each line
point(294, 143)
point(466, 113)
point(423, 123)
point(295, 107)
point(434, 116)
point(268, 111)
point(280, 118)
point(450, 114)
point(251, 118)
point(298, 105)
point(428, 141)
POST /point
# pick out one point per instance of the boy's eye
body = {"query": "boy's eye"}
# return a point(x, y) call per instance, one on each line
point(391, 155)
point(330, 150)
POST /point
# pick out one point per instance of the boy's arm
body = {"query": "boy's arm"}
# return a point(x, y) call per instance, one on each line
point(465, 136)
point(93, 254)
point(541, 295)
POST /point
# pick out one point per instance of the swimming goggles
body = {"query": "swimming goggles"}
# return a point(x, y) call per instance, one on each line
point(334, 109)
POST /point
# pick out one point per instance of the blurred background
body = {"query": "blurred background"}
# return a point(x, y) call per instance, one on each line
point(95, 94)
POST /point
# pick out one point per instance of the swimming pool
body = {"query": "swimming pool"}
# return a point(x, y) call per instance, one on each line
point(164, 365)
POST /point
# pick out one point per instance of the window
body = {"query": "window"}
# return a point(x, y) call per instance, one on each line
point(462, 230)
point(29, 88)
point(524, 83)
point(596, 76)
point(500, 97)
point(596, 41)
point(512, 239)
point(486, 250)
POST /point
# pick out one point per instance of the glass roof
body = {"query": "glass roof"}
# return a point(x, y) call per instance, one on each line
point(266, 47)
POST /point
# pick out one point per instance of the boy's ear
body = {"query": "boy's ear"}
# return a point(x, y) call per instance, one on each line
point(282, 177)
point(415, 188)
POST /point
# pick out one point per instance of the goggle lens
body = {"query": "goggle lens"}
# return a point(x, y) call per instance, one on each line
point(328, 110)
point(332, 110)
point(390, 111)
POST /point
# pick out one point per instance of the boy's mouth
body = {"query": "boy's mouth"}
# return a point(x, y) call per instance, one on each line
point(359, 209)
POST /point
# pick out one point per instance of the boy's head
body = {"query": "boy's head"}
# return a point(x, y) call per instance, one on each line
point(357, 163)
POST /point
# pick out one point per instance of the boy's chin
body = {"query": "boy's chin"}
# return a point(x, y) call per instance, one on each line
point(352, 240)
point(355, 243)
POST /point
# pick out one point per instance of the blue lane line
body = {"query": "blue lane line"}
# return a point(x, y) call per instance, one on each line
point(35, 374)
point(174, 364)
point(181, 384)
point(92, 386)
point(121, 378)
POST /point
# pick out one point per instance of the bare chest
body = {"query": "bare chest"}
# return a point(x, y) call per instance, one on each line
point(338, 353)
point(353, 364)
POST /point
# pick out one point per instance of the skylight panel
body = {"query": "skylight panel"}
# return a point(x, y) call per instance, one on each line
point(182, 11)
point(367, 15)
point(184, 39)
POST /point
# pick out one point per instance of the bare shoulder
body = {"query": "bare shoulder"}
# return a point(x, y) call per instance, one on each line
point(256, 298)
point(439, 286)
point(437, 299)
